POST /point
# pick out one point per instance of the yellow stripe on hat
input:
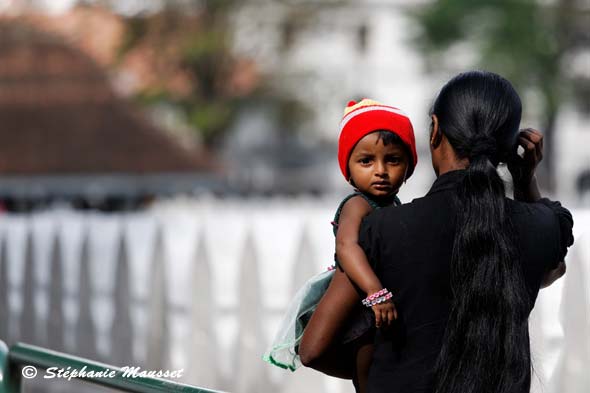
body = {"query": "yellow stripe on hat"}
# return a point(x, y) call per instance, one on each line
point(368, 106)
point(360, 104)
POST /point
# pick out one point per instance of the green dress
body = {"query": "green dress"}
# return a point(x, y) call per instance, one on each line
point(283, 350)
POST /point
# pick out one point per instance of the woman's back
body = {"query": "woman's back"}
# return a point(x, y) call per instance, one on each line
point(412, 246)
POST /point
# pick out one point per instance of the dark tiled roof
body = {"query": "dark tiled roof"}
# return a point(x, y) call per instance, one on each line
point(59, 115)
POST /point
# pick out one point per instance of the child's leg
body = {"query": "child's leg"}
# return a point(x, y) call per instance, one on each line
point(337, 304)
point(364, 356)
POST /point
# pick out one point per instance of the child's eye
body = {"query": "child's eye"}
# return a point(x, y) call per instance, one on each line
point(394, 159)
point(365, 160)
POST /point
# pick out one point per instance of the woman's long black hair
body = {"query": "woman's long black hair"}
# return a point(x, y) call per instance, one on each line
point(486, 345)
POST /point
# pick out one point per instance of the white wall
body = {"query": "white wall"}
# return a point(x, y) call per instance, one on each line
point(231, 267)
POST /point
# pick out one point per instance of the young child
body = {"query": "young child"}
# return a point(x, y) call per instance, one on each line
point(325, 323)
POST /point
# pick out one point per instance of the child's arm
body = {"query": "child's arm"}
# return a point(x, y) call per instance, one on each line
point(353, 259)
point(348, 252)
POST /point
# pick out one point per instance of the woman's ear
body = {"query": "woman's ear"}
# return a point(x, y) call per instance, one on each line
point(435, 134)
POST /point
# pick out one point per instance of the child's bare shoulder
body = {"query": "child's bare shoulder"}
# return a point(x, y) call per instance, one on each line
point(356, 206)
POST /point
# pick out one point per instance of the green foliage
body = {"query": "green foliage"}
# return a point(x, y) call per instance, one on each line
point(189, 61)
point(524, 40)
point(153, 96)
point(517, 38)
point(218, 6)
point(205, 55)
point(136, 28)
point(210, 117)
point(207, 44)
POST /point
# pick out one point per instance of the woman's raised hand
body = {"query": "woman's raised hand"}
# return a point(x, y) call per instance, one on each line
point(523, 168)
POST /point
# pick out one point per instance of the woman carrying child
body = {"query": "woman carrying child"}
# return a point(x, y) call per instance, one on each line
point(467, 262)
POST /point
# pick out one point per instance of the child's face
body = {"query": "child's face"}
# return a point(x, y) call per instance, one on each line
point(377, 169)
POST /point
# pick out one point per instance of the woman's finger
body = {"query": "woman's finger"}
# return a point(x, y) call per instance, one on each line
point(540, 147)
point(532, 133)
point(526, 144)
point(534, 136)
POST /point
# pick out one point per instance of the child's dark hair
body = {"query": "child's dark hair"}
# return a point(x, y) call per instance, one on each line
point(486, 345)
point(390, 138)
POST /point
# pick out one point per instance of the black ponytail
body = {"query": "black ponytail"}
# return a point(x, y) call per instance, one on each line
point(486, 346)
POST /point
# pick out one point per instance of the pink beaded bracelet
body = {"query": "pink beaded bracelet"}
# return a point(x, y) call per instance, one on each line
point(379, 300)
point(381, 295)
point(377, 294)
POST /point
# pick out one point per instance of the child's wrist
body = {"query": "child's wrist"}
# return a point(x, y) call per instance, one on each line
point(373, 290)
point(375, 286)
point(377, 297)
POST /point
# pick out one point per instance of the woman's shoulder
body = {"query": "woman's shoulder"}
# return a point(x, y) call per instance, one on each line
point(416, 208)
point(389, 217)
point(543, 210)
point(548, 219)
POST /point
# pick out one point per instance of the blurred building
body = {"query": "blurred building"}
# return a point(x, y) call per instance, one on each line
point(66, 136)
point(309, 59)
point(326, 53)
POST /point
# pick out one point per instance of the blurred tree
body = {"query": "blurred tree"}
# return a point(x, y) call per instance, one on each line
point(540, 46)
point(181, 56)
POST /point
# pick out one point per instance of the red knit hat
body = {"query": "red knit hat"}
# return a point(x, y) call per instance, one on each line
point(368, 116)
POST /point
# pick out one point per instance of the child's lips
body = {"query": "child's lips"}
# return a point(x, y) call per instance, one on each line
point(382, 184)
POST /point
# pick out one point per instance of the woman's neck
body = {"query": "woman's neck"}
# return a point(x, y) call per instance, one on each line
point(447, 160)
point(452, 166)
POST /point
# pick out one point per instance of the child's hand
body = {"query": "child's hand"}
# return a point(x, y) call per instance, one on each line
point(385, 313)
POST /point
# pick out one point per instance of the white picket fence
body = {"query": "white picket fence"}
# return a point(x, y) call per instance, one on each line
point(201, 285)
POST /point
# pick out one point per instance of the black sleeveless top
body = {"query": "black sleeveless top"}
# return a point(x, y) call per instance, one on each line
point(393, 201)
